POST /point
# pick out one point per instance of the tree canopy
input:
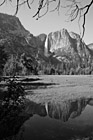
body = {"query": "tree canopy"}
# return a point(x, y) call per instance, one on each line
point(75, 8)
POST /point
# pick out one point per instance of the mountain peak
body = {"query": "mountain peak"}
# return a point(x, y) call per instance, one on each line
point(11, 25)
point(58, 39)
point(64, 32)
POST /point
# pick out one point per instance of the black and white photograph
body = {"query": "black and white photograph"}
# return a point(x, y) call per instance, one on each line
point(46, 69)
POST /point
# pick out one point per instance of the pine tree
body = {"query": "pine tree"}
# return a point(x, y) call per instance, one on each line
point(3, 59)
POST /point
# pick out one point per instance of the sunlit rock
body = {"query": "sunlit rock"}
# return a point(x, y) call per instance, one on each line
point(59, 40)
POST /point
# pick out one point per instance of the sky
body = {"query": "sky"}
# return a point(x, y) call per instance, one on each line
point(51, 22)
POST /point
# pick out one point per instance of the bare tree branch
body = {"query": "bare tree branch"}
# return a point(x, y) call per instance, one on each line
point(17, 7)
point(57, 7)
point(88, 7)
point(47, 6)
point(75, 10)
point(39, 8)
point(2, 2)
point(28, 4)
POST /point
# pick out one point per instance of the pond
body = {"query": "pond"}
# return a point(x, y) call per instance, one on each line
point(64, 120)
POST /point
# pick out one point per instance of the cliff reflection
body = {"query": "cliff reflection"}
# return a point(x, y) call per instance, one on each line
point(59, 110)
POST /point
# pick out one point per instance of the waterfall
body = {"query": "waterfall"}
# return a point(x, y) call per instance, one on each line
point(46, 107)
point(46, 46)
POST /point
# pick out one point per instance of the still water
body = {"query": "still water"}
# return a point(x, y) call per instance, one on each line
point(70, 119)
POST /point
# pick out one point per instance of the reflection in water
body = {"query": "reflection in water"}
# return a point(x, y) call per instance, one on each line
point(59, 110)
point(75, 120)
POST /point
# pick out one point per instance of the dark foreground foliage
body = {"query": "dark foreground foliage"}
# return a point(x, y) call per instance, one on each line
point(12, 104)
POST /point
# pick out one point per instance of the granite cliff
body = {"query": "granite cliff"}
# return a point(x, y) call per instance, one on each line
point(67, 45)
point(45, 52)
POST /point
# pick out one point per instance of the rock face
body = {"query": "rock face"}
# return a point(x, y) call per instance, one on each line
point(14, 34)
point(16, 40)
point(54, 48)
point(59, 40)
point(68, 45)
point(10, 25)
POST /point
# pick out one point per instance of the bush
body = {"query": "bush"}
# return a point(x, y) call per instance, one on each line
point(11, 105)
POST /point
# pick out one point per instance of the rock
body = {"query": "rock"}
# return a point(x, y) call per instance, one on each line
point(68, 45)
